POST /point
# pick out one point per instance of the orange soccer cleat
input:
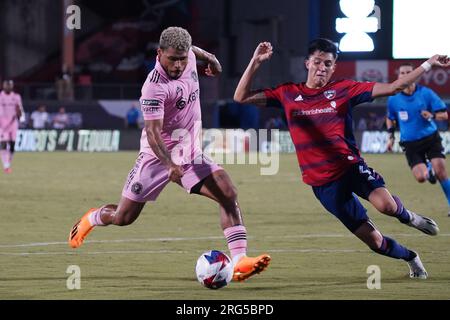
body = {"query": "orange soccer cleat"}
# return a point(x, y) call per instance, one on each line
point(80, 230)
point(247, 267)
point(7, 170)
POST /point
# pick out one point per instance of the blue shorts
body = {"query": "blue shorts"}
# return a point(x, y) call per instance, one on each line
point(339, 198)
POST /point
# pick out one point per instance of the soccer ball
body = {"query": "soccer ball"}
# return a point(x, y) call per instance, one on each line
point(214, 269)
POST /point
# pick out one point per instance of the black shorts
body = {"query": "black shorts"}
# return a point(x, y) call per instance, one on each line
point(418, 151)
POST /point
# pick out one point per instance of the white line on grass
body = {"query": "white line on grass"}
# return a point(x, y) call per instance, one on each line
point(170, 239)
point(165, 252)
point(44, 244)
point(58, 253)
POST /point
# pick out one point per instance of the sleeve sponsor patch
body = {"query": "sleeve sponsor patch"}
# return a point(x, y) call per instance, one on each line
point(151, 109)
point(150, 102)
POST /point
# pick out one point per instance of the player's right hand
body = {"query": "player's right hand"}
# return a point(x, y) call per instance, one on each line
point(263, 52)
point(175, 173)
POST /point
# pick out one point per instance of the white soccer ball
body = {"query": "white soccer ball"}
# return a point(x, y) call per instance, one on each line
point(214, 269)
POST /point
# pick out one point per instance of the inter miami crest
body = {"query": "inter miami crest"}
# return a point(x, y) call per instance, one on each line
point(136, 188)
point(330, 94)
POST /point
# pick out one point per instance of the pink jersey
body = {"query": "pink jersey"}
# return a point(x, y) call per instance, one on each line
point(8, 103)
point(177, 102)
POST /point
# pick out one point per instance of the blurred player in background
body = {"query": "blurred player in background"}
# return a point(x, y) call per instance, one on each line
point(11, 111)
point(61, 119)
point(320, 123)
point(413, 111)
point(170, 104)
point(132, 118)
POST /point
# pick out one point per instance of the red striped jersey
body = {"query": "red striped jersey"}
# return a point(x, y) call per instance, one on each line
point(320, 124)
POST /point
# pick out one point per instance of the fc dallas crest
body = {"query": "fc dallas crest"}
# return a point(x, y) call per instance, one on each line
point(330, 94)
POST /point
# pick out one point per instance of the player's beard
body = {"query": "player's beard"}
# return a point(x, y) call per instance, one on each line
point(175, 75)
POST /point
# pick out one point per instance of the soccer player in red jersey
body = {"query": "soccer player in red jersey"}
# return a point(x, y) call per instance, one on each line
point(319, 115)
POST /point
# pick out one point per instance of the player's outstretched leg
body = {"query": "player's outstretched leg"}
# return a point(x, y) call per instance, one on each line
point(218, 186)
point(122, 215)
point(389, 247)
point(412, 219)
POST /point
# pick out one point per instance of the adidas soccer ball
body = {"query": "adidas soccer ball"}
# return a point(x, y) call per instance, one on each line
point(214, 269)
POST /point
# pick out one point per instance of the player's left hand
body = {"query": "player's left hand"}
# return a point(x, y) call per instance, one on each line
point(214, 67)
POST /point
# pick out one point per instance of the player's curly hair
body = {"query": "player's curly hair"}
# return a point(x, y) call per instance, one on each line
point(175, 37)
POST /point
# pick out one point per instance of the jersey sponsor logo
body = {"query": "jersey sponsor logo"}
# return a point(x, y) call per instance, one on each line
point(299, 98)
point(193, 96)
point(150, 102)
point(330, 94)
point(151, 109)
point(181, 101)
point(298, 112)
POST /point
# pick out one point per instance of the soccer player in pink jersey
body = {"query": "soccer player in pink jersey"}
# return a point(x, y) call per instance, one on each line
point(319, 114)
point(171, 152)
point(10, 112)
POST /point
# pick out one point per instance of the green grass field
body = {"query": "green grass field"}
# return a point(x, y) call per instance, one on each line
point(314, 256)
